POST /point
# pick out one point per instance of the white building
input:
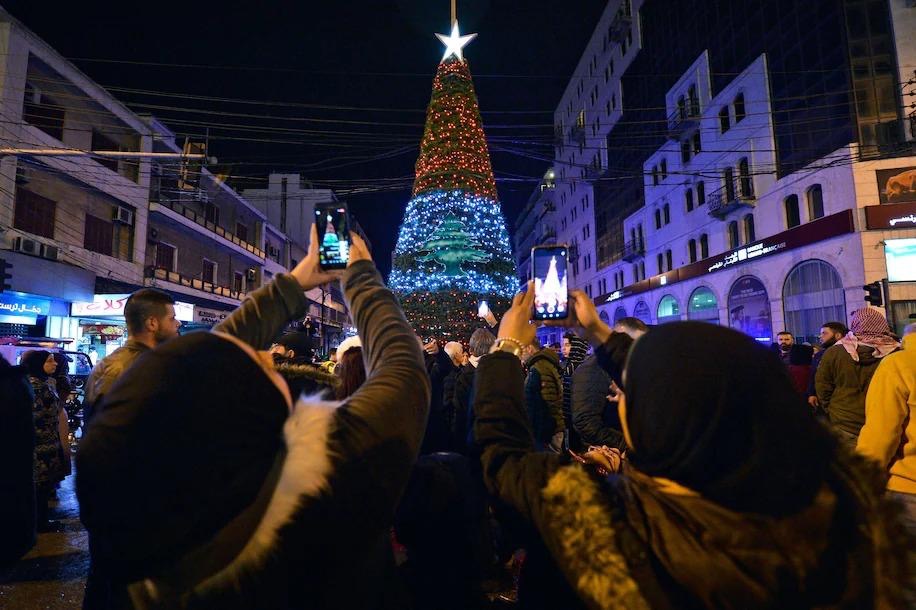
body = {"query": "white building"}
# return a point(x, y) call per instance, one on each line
point(721, 240)
point(588, 110)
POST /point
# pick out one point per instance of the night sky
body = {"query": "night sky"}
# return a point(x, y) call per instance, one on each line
point(347, 83)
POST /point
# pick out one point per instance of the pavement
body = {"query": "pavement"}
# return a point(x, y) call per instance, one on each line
point(52, 575)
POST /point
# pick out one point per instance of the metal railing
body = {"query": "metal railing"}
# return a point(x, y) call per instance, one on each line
point(633, 250)
point(165, 275)
point(729, 197)
point(683, 118)
point(211, 226)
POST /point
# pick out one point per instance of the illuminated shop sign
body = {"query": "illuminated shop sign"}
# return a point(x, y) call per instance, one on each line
point(112, 305)
point(891, 216)
point(18, 304)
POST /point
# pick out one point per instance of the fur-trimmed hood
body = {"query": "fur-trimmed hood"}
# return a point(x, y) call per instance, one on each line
point(584, 511)
point(307, 379)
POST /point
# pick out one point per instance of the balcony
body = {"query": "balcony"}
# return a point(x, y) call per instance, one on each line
point(633, 251)
point(177, 212)
point(188, 285)
point(623, 20)
point(684, 118)
point(726, 199)
point(577, 134)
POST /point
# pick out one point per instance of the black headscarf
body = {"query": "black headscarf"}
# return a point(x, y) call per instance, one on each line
point(176, 451)
point(33, 361)
point(713, 410)
point(801, 354)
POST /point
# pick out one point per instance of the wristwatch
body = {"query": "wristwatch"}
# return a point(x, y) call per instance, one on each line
point(507, 345)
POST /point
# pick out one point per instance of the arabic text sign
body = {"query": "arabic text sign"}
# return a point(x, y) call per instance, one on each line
point(891, 216)
point(12, 304)
point(105, 305)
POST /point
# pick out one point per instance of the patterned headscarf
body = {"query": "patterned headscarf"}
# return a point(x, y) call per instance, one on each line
point(869, 327)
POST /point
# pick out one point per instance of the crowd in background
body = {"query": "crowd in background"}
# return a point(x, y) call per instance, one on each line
point(679, 466)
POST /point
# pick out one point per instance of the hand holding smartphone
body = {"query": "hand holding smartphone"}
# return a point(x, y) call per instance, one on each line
point(333, 225)
point(549, 268)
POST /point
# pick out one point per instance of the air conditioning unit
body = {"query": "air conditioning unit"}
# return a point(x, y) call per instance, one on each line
point(27, 246)
point(51, 253)
point(123, 215)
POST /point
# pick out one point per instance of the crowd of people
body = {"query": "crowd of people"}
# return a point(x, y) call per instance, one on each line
point(680, 466)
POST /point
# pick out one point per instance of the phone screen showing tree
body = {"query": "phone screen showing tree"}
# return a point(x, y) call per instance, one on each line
point(550, 293)
point(333, 235)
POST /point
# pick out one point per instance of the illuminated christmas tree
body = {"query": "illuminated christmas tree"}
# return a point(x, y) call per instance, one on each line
point(453, 247)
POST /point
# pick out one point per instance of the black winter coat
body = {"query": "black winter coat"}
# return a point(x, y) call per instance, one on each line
point(17, 448)
point(438, 367)
point(594, 417)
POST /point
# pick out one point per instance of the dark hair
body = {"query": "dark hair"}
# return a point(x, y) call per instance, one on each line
point(481, 342)
point(555, 345)
point(631, 323)
point(301, 344)
point(783, 332)
point(331, 351)
point(352, 372)
point(144, 304)
point(801, 354)
point(837, 327)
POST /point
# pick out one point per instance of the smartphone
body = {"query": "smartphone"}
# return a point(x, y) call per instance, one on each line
point(483, 308)
point(333, 224)
point(549, 270)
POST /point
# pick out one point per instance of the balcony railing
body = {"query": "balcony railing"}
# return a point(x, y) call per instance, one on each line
point(164, 275)
point(730, 197)
point(620, 25)
point(193, 216)
point(684, 118)
point(633, 250)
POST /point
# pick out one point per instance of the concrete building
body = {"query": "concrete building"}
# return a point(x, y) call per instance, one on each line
point(65, 222)
point(587, 112)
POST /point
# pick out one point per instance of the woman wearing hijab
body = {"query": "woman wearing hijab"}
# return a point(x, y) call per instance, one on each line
point(733, 497)
point(48, 467)
point(846, 369)
point(213, 487)
point(17, 455)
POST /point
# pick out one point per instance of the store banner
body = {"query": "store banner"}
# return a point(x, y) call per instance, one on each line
point(18, 304)
point(112, 305)
point(891, 216)
point(209, 316)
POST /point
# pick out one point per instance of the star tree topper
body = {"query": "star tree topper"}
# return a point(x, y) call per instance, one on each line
point(455, 42)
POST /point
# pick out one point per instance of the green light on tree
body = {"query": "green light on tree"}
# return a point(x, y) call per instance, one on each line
point(451, 246)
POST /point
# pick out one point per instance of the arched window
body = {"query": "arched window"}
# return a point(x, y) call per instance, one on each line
point(664, 168)
point(702, 306)
point(728, 174)
point(701, 193)
point(734, 239)
point(692, 250)
point(723, 119)
point(704, 246)
point(749, 309)
point(693, 100)
point(681, 107)
point(740, 112)
point(688, 198)
point(697, 143)
point(750, 234)
point(660, 261)
point(815, 202)
point(812, 294)
point(604, 317)
point(668, 310)
point(669, 260)
point(793, 218)
point(667, 211)
point(658, 219)
point(685, 151)
point(746, 181)
point(642, 312)
point(619, 314)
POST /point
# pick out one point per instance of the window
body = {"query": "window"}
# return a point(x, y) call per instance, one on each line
point(749, 309)
point(746, 180)
point(815, 202)
point(238, 281)
point(692, 250)
point(703, 306)
point(734, 239)
point(668, 310)
point(792, 216)
point(704, 246)
point(750, 234)
point(100, 141)
point(660, 263)
point(585, 232)
point(701, 193)
point(667, 212)
point(241, 231)
point(654, 175)
point(688, 199)
point(208, 271)
point(729, 176)
point(614, 101)
point(813, 292)
point(740, 112)
point(640, 232)
point(34, 213)
point(685, 151)
point(697, 145)
point(658, 219)
point(642, 270)
point(211, 213)
point(98, 235)
point(608, 108)
point(723, 120)
point(693, 100)
point(669, 259)
point(664, 168)
point(46, 114)
point(165, 256)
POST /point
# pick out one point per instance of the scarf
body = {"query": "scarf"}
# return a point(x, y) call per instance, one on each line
point(33, 361)
point(869, 327)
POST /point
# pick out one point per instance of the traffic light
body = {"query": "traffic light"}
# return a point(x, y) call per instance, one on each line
point(874, 294)
point(5, 275)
